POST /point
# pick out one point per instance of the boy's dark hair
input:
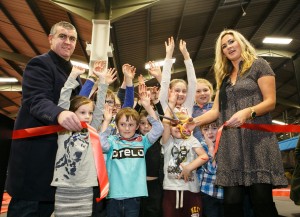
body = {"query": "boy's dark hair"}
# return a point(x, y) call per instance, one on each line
point(78, 101)
point(129, 113)
point(214, 123)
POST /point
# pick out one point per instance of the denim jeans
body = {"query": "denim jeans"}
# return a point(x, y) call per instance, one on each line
point(25, 208)
point(123, 208)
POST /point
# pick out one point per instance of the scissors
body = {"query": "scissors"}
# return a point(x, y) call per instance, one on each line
point(185, 133)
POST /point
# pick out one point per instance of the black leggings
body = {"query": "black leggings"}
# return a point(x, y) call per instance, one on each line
point(260, 196)
point(259, 193)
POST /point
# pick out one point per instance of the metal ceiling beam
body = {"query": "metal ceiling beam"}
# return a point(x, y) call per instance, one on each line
point(112, 10)
point(237, 20)
point(38, 15)
point(268, 11)
point(6, 112)
point(288, 18)
point(207, 28)
point(4, 71)
point(293, 27)
point(14, 66)
point(148, 33)
point(9, 100)
point(10, 62)
point(274, 53)
point(180, 22)
point(16, 25)
point(286, 102)
point(9, 44)
point(121, 9)
point(86, 8)
point(14, 56)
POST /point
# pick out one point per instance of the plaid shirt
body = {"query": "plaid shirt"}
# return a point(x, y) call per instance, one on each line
point(207, 177)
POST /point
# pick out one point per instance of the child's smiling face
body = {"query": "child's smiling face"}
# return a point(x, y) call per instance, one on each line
point(203, 94)
point(127, 127)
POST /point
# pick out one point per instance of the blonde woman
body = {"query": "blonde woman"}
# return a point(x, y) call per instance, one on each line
point(248, 160)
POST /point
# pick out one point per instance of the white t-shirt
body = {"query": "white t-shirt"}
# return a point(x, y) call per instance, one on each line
point(177, 151)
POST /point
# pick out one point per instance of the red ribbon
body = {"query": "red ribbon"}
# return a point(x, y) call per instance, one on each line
point(289, 128)
point(37, 131)
point(100, 163)
point(96, 145)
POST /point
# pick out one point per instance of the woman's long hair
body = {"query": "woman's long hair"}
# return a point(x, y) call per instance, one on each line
point(223, 66)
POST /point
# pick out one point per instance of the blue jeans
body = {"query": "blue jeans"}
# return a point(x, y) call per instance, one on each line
point(25, 208)
point(123, 208)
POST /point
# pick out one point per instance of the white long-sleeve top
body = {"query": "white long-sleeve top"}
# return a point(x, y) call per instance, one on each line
point(191, 90)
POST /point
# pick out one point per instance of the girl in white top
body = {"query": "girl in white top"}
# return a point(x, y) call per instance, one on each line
point(186, 94)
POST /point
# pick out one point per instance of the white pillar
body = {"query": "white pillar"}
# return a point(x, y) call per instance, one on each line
point(99, 47)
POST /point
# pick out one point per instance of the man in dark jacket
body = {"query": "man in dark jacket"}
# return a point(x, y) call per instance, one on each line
point(31, 162)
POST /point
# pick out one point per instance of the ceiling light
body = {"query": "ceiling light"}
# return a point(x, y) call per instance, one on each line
point(10, 80)
point(158, 63)
point(83, 65)
point(273, 40)
point(278, 122)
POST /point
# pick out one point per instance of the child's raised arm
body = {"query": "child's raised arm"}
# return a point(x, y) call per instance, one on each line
point(191, 77)
point(157, 128)
point(106, 77)
point(129, 73)
point(155, 71)
point(107, 117)
point(183, 49)
point(166, 74)
point(70, 84)
point(106, 129)
point(145, 101)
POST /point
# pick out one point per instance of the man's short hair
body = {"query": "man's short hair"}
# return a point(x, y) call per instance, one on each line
point(63, 24)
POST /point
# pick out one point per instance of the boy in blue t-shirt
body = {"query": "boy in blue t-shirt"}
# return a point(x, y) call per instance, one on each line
point(126, 151)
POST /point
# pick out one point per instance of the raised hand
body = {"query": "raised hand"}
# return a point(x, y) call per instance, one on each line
point(144, 96)
point(77, 70)
point(183, 49)
point(170, 45)
point(111, 76)
point(155, 70)
point(99, 67)
point(108, 112)
point(141, 79)
point(128, 71)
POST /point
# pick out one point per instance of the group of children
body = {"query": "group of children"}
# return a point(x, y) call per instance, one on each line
point(155, 166)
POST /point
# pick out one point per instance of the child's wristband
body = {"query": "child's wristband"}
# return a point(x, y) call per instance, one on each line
point(94, 78)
